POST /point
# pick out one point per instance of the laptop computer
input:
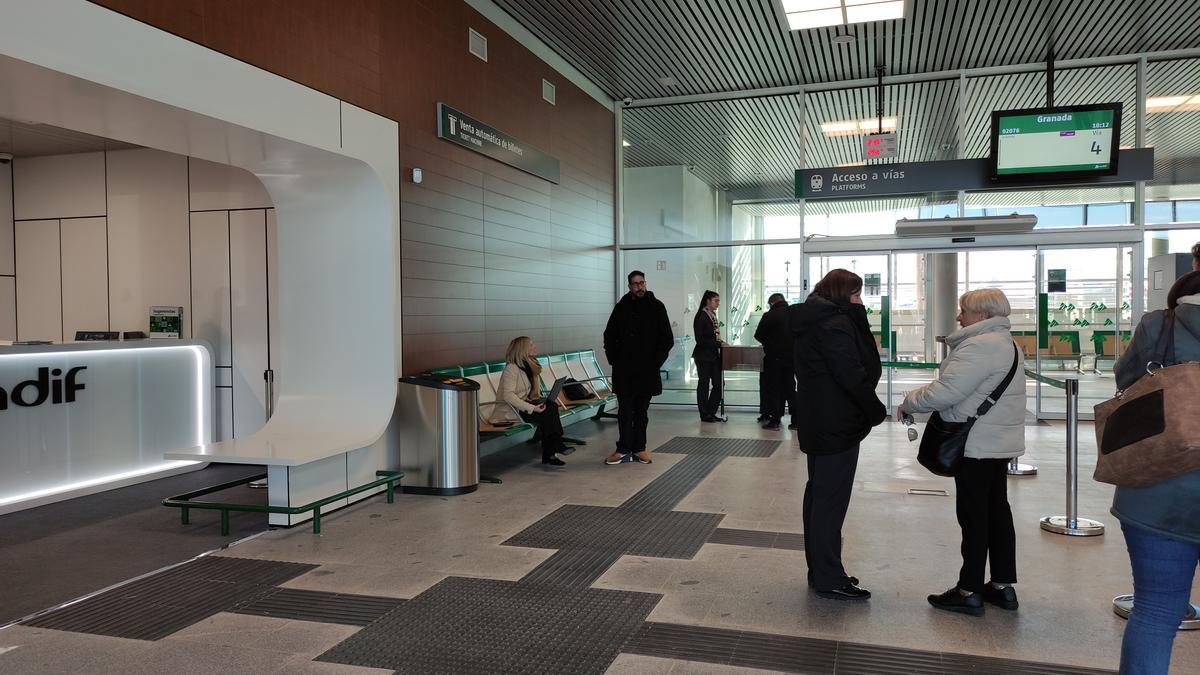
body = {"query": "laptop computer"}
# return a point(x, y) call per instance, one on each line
point(555, 390)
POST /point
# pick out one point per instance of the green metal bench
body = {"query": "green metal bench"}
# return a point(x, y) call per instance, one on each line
point(580, 365)
point(186, 502)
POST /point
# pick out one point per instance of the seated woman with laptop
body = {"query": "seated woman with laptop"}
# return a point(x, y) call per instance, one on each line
point(519, 388)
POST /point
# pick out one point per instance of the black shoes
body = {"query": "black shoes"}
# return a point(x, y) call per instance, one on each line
point(849, 580)
point(712, 418)
point(771, 426)
point(793, 426)
point(1004, 598)
point(566, 450)
point(554, 461)
point(848, 592)
point(954, 601)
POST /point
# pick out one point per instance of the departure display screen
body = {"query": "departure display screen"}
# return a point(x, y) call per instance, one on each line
point(1063, 142)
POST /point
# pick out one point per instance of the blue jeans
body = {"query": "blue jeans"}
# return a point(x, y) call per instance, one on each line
point(1162, 585)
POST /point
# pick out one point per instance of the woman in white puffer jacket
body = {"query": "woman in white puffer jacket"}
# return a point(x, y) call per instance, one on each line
point(981, 354)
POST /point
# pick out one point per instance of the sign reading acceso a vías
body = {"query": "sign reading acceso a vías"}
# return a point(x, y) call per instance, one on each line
point(872, 180)
point(470, 133)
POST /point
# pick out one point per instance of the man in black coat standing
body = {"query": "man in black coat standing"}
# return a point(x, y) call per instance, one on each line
point(776, 339)
point(637, 341)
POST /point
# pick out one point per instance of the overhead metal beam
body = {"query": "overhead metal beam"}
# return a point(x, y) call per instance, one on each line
point(1040, 66)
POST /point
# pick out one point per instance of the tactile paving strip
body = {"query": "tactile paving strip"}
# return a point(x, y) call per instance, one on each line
point(572, 568)
point(721, 447)
point(158, 605)
point(666, 491)
point(657, 534)
point(791, 654)
point(320, 606)
point(757, 538)
point(465, 626)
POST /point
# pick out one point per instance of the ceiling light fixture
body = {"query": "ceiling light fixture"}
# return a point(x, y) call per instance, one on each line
point(815, 13)
point(804, 14)
point(1186, 102)
point(842, 39)
point(625, 143)
point(868, 125)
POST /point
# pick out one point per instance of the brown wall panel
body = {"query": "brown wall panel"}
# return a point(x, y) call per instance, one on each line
point(489, 252)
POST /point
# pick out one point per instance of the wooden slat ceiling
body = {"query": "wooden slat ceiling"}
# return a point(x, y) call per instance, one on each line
point(752, 146)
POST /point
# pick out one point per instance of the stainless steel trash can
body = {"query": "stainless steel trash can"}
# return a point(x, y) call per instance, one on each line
point(438, 428)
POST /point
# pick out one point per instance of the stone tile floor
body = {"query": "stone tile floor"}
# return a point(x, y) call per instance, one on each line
point(902, 546)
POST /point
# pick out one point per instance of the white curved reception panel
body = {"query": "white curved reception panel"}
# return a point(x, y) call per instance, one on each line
point(81, 418)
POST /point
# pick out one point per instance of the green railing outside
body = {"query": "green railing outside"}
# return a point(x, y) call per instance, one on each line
point(185, 504)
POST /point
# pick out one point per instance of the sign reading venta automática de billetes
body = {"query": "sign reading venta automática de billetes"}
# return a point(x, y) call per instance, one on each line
point(472, 134)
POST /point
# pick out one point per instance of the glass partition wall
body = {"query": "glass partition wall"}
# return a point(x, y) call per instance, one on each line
point(708, 204)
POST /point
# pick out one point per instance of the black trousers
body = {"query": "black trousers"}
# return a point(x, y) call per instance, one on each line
point(826, 500)
point(781, 384)
point(549, 428)
point(632, 418)
point(986, 522)
point(708, 388)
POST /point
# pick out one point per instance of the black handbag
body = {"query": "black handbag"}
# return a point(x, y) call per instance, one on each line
point(575, 391)
point(944, 443)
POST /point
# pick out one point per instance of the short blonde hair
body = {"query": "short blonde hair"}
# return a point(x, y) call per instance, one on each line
point(518, 354)
point(987, 301)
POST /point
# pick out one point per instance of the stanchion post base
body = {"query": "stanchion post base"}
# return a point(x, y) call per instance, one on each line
point(1084, 527)
point(1019, 469)
point(1123, 605)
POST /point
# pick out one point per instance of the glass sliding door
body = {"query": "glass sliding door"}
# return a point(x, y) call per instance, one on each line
point(1013, 271)
point(1087, 301)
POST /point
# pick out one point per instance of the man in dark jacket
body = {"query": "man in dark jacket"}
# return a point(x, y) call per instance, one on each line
point(778, 371)
point(637, 341)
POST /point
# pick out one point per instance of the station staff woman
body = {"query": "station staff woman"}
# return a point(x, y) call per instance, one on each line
point(707, 355)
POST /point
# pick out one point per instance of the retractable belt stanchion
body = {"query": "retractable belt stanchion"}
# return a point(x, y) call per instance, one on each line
point(1123, 605)
point(1072, 524)
point(1016, 468)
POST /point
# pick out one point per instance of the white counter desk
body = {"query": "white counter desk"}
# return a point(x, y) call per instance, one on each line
point(86, 417)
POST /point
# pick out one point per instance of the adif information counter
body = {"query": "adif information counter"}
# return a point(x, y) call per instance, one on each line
point(82, 418)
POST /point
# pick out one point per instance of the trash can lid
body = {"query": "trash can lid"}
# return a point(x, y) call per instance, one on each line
point(454, 383)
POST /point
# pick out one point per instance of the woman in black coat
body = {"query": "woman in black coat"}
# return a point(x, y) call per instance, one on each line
point(707, 355)
point(837, 370)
